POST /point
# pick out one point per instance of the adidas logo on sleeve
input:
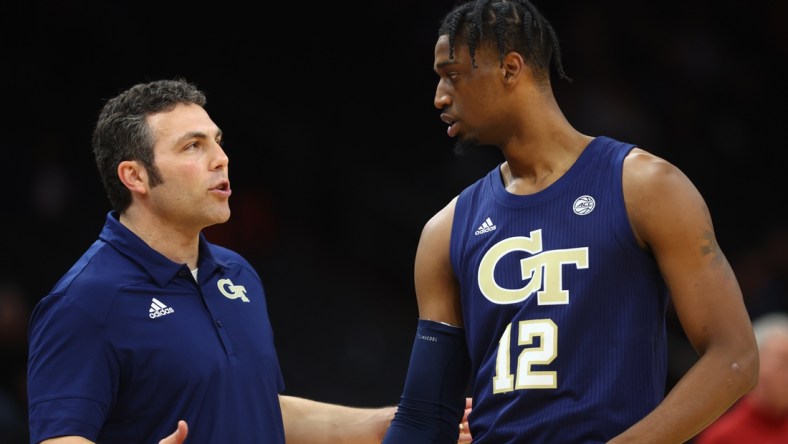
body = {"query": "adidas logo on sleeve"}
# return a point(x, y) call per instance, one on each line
point(158, 309)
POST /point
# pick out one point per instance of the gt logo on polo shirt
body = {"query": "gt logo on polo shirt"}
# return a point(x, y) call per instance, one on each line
point(231, 291)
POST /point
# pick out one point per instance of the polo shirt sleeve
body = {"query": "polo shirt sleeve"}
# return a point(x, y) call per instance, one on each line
point(72, 373)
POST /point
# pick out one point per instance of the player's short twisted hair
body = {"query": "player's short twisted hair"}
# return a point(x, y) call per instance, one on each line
point(122, 132)
point(509, 25)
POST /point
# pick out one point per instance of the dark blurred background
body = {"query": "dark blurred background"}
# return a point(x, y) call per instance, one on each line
point(338, 157)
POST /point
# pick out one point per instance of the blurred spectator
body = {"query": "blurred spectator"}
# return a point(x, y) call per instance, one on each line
point(761, 416)
point(14, 313)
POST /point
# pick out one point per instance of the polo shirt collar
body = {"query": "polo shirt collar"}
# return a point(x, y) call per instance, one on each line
point(160, 268)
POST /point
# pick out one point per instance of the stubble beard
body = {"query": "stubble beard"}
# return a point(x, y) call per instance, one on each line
point(464, 147)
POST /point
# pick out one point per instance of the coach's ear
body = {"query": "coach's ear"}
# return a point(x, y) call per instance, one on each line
point(134, 176)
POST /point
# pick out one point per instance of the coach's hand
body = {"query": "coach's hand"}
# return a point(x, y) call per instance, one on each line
point(178, 436)
point(465, 432)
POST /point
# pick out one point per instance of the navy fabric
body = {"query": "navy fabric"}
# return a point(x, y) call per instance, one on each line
point(433, 401)
point(564, 313)
point(127, 343)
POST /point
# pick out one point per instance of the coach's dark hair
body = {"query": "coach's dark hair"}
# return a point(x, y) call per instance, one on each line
point(509, 25)
point(122, 133)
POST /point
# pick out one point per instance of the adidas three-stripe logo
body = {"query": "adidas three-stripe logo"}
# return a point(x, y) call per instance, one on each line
point(158, 308)
point(485, 227)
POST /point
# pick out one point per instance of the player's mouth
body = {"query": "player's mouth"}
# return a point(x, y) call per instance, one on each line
point(452, 130)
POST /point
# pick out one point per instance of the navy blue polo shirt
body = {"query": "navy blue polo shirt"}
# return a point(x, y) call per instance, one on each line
point(127, 343)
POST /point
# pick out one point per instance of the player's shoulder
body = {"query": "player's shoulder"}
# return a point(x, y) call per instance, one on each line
point(643, 168)
point(639, 157)
point(443, 217)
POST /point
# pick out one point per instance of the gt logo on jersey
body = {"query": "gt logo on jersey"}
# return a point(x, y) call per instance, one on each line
point(542, 270)
point(231, 291)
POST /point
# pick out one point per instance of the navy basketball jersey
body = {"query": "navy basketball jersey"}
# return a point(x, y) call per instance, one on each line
point(564, 313)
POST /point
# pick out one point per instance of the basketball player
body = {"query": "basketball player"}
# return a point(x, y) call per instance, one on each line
point(547, 280)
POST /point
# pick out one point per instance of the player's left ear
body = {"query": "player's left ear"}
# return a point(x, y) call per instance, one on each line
point(513, 66)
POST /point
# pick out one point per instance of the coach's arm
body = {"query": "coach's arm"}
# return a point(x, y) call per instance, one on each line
point(313, 422)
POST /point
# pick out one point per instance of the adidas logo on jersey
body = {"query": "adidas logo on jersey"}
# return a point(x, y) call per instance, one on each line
point(485, 227)
point(158, 309)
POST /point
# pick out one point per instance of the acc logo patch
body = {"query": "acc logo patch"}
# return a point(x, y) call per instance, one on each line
point(583, 205)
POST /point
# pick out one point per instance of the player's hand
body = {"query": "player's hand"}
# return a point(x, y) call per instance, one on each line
point(178, 436)
point(465, 431)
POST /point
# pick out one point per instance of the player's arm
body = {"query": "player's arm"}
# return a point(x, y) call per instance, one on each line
point(670, 217)
point(437, 289)
point(432, 402)
point(314, 422)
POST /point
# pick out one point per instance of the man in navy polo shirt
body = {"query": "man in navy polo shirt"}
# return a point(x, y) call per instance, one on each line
point(154, 324)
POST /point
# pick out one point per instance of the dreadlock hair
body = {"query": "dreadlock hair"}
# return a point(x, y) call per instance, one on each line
point(509, 25)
